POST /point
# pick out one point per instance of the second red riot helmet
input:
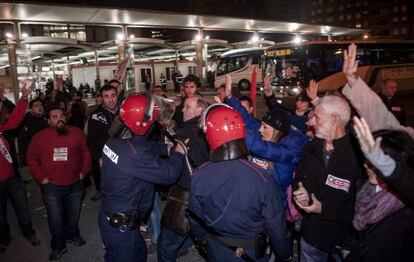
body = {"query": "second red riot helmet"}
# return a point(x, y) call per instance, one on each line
point(225, 132)
point(138, 113)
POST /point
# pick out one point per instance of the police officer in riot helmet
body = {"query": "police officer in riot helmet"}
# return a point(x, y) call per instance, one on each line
point(232, 199)
point(131, 166)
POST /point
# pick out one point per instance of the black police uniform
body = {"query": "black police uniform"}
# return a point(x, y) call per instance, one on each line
point(130, 168)
point(99, 123)
point(238, 200)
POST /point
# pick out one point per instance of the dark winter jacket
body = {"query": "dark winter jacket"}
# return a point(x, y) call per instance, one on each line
point(99, 123)
point(395, 107)
point(402, 181)
point(28, 128)
point(334, 187)
point(198, 150)
point(391, 239)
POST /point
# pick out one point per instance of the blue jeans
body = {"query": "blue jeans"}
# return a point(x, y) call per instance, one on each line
point(170, 244)
point(128, 246)
point(309, 253)
point(13, 188)
point(63, 205)
point(155, 219)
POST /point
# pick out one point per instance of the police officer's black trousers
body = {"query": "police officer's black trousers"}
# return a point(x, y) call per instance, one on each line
point(128, 246)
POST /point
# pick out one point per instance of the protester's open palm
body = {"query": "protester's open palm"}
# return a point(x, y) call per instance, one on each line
point(364, 136)
point(267, 86)
point(312, 90)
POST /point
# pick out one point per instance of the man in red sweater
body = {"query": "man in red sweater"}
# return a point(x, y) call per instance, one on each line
point(58, 158)
point(10, 185)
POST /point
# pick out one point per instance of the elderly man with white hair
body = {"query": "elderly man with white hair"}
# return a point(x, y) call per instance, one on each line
point(325, 182)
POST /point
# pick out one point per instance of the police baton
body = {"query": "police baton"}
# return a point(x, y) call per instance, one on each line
point(176, 142)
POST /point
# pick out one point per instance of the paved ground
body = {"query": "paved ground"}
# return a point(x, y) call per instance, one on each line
point(20, 250)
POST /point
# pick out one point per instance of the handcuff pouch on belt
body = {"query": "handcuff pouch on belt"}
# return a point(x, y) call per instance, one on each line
point(124, 222)
point(259, 244)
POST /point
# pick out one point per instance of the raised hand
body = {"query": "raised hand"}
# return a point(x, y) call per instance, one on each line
point(267, 86)
point(228, 86)
point(26, 88)
point(350, 64)
point(312, 90)
point(364, 136)
point(217, 99)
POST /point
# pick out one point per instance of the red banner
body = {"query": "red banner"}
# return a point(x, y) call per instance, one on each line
point(253, 88)
point(121, 69)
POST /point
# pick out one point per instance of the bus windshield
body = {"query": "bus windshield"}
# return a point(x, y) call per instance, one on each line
point(231, 64)
point(294, 66)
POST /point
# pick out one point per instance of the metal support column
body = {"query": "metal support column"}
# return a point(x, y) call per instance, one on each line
point(98, 75)
point(199, 54)
point(11, 50)
point(53, 70)
point(176, 60)
point(68, 67)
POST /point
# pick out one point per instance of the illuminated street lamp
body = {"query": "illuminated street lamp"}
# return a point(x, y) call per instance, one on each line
point(198, 37)
point(120, 36)
point(255, 39)
point(297, 39)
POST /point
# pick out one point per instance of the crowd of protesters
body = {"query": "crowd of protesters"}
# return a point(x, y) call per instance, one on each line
point(335, 174)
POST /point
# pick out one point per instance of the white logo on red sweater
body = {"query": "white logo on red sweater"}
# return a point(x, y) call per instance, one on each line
point(338, 183)
point(60, 154)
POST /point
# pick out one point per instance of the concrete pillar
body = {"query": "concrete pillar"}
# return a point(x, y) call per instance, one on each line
point(176, 60)
point(53, 69)
point(98, 75)
point(199, 55)
point(11, 50)
point(205, 60)
point(68, 66)
point(122, 45)
point(130, 73)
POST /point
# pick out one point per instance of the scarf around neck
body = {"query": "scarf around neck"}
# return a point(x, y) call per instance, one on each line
point(372, 205)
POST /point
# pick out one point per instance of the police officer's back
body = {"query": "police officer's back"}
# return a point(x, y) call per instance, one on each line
point(236, 202)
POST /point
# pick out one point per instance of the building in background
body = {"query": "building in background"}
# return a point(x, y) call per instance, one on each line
point(387, 19)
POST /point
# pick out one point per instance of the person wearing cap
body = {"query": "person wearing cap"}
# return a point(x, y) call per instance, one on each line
point(299, 115)
point(234, 200)
point(274, 144)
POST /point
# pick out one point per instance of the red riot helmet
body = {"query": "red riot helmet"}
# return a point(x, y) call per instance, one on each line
point(138, 112)
point(225, 132)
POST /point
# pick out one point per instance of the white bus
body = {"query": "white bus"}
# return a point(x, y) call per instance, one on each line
point(239, 65)
point(291, 66)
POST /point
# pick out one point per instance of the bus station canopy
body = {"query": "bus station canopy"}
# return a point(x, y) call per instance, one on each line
point(42, 13)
